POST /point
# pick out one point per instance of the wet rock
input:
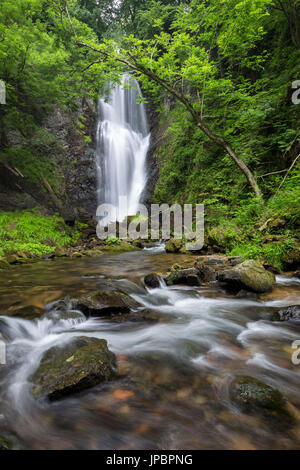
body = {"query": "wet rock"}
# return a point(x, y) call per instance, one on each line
point(105, 302)
point(213, 260)
point(297, 274)
point(124, 246)
point(249, 275)
point(252, 395)
point(81, 364)
point(205, 273)
point(29, 312)
point(271, 268)
point(152, 280)
point(174, 246)
point(187, 277)
point(291, 260)
point(234, 260)
point(291, 313)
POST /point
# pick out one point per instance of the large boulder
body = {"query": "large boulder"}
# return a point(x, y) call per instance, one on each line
point(105, 302)
point(291, 313)
point(81, 364)
point(249, 275)
point(252, 395)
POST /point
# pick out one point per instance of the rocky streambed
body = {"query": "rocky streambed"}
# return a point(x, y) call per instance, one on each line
point(149, 350)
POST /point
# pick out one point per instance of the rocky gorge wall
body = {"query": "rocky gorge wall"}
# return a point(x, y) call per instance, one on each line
point(58, 171)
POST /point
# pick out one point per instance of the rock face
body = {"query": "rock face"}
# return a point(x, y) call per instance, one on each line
point(70, 149)
point(248, 275)
point(81, 364)
point(252, 395)
point(105, 302)
point(291, 313)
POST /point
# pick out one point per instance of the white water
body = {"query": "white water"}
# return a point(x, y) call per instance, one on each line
point(122, 145)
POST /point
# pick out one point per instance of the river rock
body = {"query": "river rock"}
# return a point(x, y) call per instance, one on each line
point(287, 313)
point(105, 302)
point(249, 275)
point(252, 395)
point(205, 273)
point(81, 364)
point(152, 280)
point(173, 245)
point(187, 277)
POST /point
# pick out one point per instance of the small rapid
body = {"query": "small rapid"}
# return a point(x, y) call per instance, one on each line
point(176, 362)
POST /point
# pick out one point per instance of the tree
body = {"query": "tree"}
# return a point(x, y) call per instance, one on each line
point(196, 61)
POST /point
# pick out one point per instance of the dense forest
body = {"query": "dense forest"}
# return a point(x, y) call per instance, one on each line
point(137, 342)
point(223, 78)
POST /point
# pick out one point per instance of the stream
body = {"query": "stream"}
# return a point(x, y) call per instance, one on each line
point(174, 369)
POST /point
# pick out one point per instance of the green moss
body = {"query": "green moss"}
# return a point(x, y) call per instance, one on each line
point(34, 233)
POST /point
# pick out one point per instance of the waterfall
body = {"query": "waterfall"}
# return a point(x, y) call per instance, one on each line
point(122, 143)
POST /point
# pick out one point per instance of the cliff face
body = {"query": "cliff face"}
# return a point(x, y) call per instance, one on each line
point(152, 167)
point(55, 168)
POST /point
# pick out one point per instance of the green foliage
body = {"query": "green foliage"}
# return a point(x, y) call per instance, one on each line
point(111, 240)
point(31, 232)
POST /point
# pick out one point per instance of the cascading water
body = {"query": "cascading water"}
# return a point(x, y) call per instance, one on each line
point(122, 144)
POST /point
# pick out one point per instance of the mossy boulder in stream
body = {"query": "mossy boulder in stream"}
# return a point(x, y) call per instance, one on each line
point(249, 275)
point(186, 277)
point(105, 302)
point(174, 246)
point(252, 395)
point(81, 364)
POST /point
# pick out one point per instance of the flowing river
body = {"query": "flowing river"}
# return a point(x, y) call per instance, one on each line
point(174, 368)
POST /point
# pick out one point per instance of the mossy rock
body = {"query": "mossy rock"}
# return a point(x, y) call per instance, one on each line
point(249, 275)
point(174, 245)
point(186, 277)
point(67, 369)
point(122, 247)
point(252, 395)
point(105, 302)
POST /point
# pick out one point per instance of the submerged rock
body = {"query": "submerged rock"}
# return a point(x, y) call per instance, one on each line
point(252, 395)
point(81, 364)
point(105, 302)
point(249, 275)
point(291, 313)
